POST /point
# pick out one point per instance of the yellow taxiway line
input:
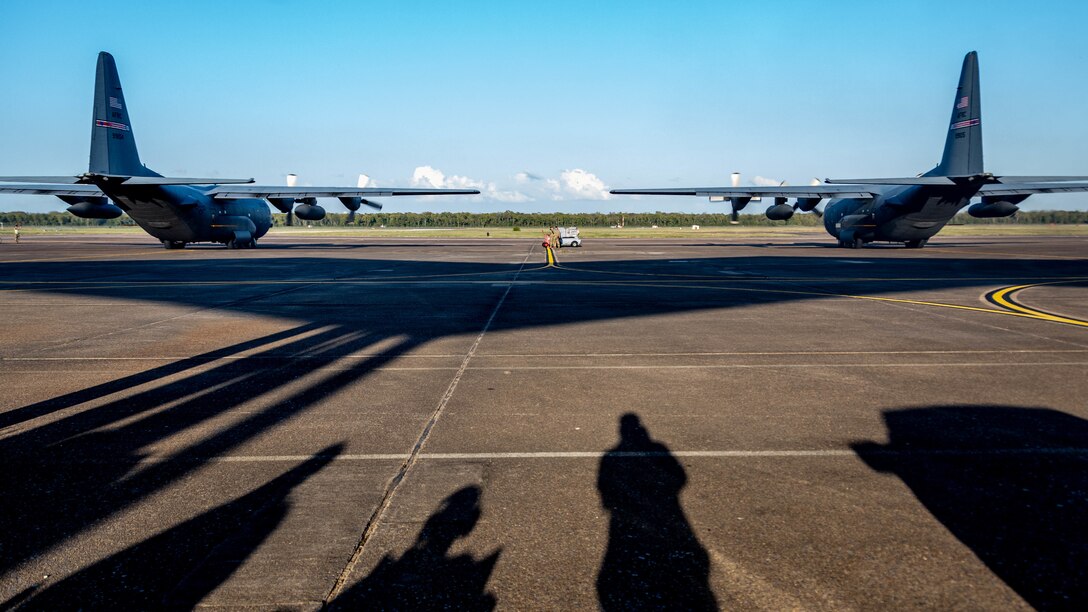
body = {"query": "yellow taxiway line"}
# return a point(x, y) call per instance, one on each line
point(1004, 297)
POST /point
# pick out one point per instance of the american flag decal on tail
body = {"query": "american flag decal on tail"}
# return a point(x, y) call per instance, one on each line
point(965, 124)
point(114, 103)
point(110, 124)
point(961, 104)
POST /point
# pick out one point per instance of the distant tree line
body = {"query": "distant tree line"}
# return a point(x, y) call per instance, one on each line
point(58, 218)
point(660, 219)
point(531, 220)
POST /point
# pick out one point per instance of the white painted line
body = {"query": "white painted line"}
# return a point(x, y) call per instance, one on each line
point(710, 454)
point(777, 365)
point(720, 366)
point(557, 355)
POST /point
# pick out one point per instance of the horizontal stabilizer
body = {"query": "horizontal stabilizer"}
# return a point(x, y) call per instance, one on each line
point(59, 180)
point(933, 181)
point(279, 191)
point(973, 179)
point(781, 191)
point(1040, 179)
point(149, 181)
point(56, 189)
point(166, 180)
point(94, 178)
point(1028, 188)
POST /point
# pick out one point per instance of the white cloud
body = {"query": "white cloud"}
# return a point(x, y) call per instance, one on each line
point(430, 177)
point(426, 176)
point(575, 184)
point(583, 185)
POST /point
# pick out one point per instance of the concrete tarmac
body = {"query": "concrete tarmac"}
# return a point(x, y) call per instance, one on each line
point(414, 423)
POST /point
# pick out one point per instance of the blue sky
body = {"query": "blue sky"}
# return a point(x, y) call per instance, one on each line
point(545, 105)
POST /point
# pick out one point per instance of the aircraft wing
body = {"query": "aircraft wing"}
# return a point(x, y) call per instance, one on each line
point(53, 189)
point(1005, 189)
point(233, 192)
point(782, 191)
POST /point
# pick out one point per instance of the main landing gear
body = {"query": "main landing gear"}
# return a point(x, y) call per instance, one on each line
point(915, 244)
point(173, 244)
point(856, 243)
point(242, 244)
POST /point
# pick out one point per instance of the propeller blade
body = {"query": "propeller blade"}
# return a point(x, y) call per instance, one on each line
point(292, 180)
point(290, 218)
point(735, 178)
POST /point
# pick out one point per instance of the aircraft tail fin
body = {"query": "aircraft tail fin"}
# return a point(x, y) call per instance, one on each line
point(113, 146)
point(963, 146)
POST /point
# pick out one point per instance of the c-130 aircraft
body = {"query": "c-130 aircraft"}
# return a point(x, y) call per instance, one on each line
point(908, 210)
point(179, 211)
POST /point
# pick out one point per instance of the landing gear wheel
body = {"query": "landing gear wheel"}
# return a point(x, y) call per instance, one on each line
point(173, 244)
point(857, 243)
point(238, 244)
point(916, 244)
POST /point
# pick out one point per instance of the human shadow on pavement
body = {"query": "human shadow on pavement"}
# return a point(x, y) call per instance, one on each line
point(1011, 483)
point(654, 560)
point(426, 576)
point(216, 543)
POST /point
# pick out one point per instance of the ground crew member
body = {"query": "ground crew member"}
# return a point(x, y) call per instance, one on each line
point(17, 227)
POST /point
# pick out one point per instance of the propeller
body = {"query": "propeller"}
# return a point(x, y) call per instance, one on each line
point(292, 180)
point(363, 181)
point(735, 203)
point(809, 204)
point(816, 209)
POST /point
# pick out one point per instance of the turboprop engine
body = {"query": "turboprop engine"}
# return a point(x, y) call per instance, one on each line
point(808, 205)
point(354, 203)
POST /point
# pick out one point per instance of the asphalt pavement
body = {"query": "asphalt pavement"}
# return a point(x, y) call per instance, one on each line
point(418, 423)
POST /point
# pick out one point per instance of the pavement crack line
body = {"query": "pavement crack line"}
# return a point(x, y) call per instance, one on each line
point(414, 455)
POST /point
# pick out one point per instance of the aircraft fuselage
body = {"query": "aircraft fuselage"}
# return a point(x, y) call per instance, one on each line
point(182, 214)
point(897, 214)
